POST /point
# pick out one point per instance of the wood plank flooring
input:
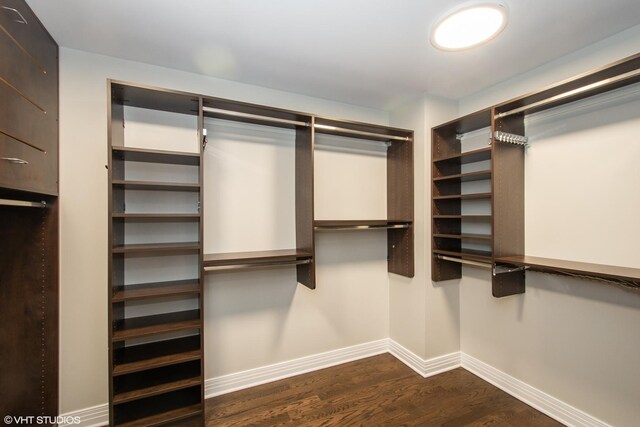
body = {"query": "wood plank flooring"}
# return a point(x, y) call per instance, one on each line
point(376, 391)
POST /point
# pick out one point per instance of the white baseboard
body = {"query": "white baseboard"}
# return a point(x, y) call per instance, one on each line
point(89, 417)
point(266, 374)
point(425, 367)
point(544, 403)
point(549, 405)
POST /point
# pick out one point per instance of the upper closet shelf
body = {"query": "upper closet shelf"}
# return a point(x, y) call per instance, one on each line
point(619, 74)
point(242, 260)
point(346, 225)
point(624, 276)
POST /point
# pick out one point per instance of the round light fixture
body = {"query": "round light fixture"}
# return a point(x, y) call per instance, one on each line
point(469, 26)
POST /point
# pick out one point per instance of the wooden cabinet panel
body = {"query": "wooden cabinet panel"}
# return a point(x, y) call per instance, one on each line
point(28, 102)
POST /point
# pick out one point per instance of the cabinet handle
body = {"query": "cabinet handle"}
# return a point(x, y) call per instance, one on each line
point(15, 160)
point(22, 19)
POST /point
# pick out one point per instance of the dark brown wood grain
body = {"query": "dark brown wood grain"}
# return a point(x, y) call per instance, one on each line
point(29, 310)
point(256, 257)
point(400, 206)
point(305, 237)
point(507, 163)
point(28, 102)
point(375, 391)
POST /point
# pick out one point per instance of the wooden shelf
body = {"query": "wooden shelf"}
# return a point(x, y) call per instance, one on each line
point(487, 237)
point(136, 327)
point(166, 417)
point(575, 268)
point(464, 196)
point(154, 290)
point(483, 217)
point(260, 257)
point(154, 390)
point(346, 225)
point(156, 156)
point(467, 156)
point(157, 354)
point(157, 217)
point(155, 186)
point(148, 248)
point(464, 177)
point(472, 254)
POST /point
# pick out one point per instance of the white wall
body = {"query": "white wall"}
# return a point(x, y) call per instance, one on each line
point(574, 339)
point(252, 319)
point(424, 316)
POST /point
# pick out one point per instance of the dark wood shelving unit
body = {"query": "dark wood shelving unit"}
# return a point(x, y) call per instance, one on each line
point(161, 381)
point(400, 190)
point(471, 254)
point(506, 156)
point(464, 236)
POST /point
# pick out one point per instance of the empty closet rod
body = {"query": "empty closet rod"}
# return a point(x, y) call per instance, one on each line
point(567, 94)
point(465, 261)
point(253, 116)
point(23, 203)
point(362, 133)
point(256, 265)
point(359, 227)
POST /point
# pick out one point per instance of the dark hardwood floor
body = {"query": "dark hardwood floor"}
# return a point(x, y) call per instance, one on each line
point(377, 391)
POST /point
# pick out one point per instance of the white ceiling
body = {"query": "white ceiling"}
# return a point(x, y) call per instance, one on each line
point(366, 52)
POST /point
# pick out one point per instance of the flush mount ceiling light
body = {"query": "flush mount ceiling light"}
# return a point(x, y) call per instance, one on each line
point(469, 26)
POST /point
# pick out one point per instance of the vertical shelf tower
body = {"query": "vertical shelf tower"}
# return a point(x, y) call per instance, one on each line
point(155, 360)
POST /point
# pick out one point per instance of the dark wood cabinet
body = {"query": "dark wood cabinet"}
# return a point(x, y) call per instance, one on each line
point(29, 214)
point(28, 102)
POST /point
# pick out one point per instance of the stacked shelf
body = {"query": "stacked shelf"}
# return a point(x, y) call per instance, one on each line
point(459, 234)
point(156, 350)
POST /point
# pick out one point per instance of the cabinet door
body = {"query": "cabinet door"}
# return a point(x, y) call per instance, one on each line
point(28, 102)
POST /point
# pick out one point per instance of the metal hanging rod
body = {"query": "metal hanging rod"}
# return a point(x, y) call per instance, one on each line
point(510, 138)
point(301, 123)
point(570, 93)
point(359, 227)
point(22, 203)
point(466, 261)
point(254, 116)
point(361, 132)
point(255, 265)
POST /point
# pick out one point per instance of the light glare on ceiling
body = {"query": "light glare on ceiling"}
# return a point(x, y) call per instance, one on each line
point(469, 26)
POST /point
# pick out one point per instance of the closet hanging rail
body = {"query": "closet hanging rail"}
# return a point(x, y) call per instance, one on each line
point(359, 227)
point(22, 203)
point(586, 88)
point(256, 265)
point(466, 261)
point(361, 132)
point(253, 116)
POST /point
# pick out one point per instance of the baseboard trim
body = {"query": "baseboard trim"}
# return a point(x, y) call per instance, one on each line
point(94, 416)
point(266, 374)
point(549, 405)
point(424, 367)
